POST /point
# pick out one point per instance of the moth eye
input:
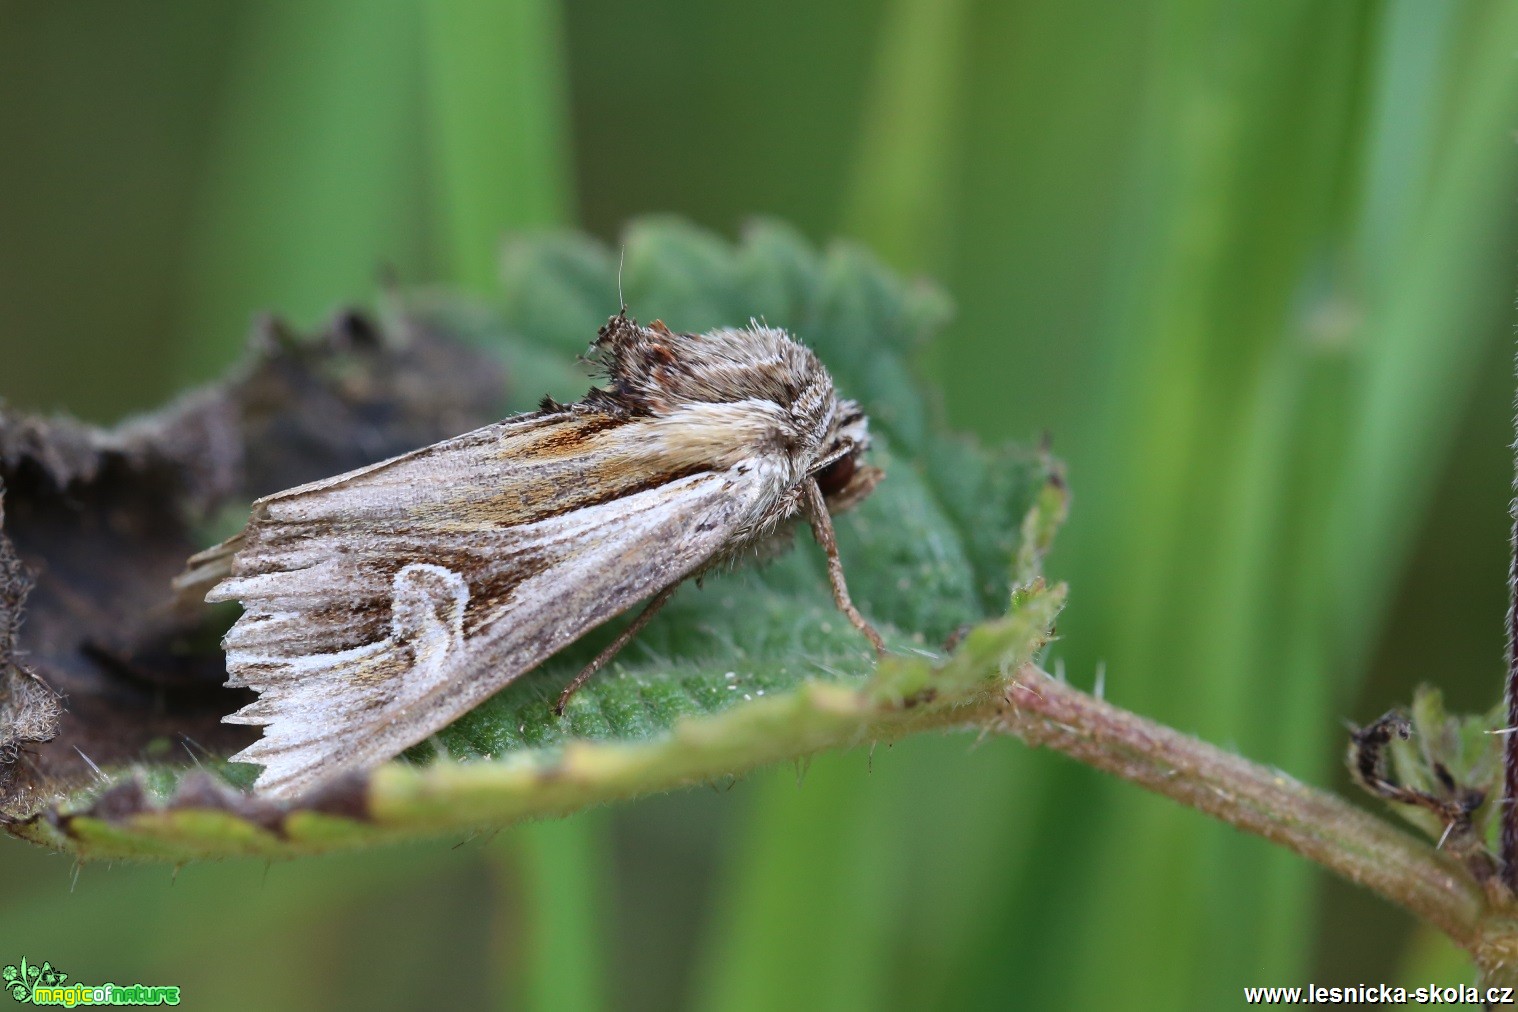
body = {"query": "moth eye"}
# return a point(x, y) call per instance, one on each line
point(836, 476)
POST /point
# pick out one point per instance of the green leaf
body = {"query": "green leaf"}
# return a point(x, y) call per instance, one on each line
point(753, 667)
point(497, 113)
point(1464, 746)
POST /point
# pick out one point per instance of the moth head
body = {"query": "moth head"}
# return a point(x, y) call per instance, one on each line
point(844, 478)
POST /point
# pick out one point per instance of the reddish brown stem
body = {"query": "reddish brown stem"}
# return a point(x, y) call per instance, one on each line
point(1321, 827)
point(1508, 845)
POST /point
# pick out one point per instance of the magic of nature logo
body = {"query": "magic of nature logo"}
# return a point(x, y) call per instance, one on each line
point(46, 985)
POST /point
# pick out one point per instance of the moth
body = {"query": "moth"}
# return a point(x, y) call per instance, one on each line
point(382, 604)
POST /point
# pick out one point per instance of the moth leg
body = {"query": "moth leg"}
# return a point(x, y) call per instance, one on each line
point(822, 530)
point(615, 647)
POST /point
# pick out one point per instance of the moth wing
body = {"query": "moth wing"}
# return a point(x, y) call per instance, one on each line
point(364, 642)
point(442, 464)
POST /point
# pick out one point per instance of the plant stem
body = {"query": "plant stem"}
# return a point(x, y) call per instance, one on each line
point(402, 800)
point(1508, 846)
point(1321, 827)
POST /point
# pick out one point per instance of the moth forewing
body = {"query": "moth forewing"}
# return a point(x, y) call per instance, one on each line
point(382, 604)
point(455, 636)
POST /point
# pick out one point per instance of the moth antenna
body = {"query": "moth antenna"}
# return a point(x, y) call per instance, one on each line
point(615, 647)
point(621, 259)
point(822, 529)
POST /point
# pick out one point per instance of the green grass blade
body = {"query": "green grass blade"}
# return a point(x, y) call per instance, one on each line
point(901, 197)
point(1441, 296)
point(565, 889)
point(1256, 623)
point(775, 917)
point(499, 124)
point(312, 187)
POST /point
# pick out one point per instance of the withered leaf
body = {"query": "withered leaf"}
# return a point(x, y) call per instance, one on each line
point(100, 664)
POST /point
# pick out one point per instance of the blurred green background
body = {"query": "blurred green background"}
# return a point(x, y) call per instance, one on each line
point(1249, 263)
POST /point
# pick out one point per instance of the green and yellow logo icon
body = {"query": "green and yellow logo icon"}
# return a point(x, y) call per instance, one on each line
point(19, 980)
point(43, 985)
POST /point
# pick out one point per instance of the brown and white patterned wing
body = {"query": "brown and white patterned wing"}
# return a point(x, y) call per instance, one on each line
point(380, 606)
point(513, 471)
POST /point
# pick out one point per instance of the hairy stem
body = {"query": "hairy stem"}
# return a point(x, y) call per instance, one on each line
point(401, 800)
point(1508, 846)
point(1319, 826)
